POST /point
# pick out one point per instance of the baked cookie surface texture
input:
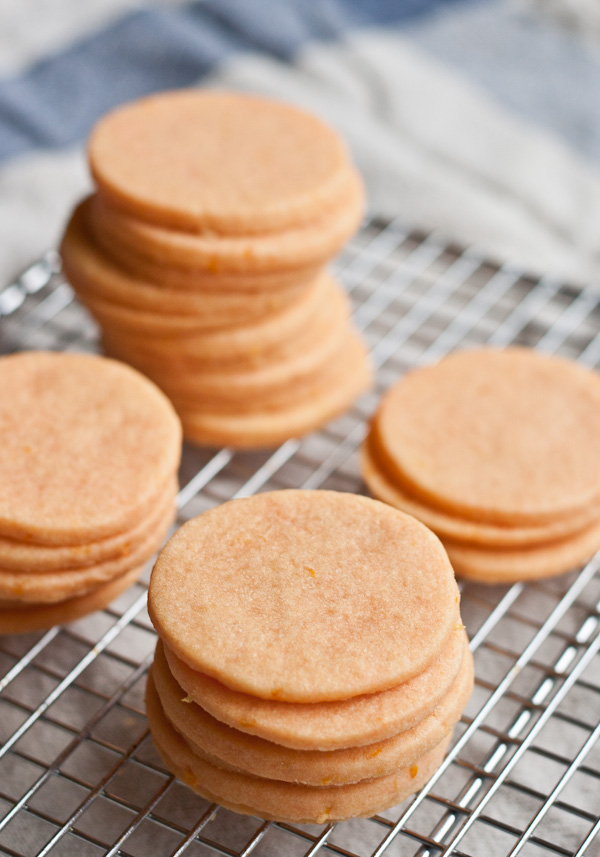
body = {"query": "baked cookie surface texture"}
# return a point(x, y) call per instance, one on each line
point(311, 663)
point(213, 221)
point(497, 451)
point(88, 469)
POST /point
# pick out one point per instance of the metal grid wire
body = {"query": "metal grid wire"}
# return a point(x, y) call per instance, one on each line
point(78, 772)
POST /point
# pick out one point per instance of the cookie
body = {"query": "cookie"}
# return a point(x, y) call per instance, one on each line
point(141, 243)
point(325, 725)
point(88, 485)
point(236, 750)
point(323, 398)
point(59, 585)
point(30, 557)
point(311, 663)
point(495, 450)
point(181, 282)
point(322, 372)
point(395, 597)
point(463, 530)
point(18, 619)
point(314, 348)
point(233, 163)
point(497, 436)
point(243, 345)
point(505, 566)
point(82, 247)
point(280, 801)
point(124, 320)
point(118, 298)
point(89, 446)
point(202, 257)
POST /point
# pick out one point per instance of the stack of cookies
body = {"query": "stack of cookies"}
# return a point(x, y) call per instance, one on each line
point(202, 257)
point(88, 461)
point(497, 451)
point(311, 663)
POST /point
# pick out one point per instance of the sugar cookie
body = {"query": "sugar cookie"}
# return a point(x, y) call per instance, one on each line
point(326, 725)
point(532, 424)
point(300, 411)
point(230, 162)
point(495, 450)
point(88, 447)
point(464, 530)
point(202, 257)
point(272, 799)
point(237, 750)
point(23, 620)
point(395, 598)
point(52, 586)
point(146, 245)
point(30, 557)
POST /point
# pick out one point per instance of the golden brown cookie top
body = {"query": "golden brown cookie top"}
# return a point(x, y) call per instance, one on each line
point(305, 596)
point(226, 161)
point(88, 445)
point(495, 435)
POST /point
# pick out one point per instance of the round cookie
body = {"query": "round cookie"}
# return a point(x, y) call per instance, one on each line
point(348, 596)
point(88, 447)
point(324, 398)
point(501, 436)
point(231, 288)
point(52, 586)
point(264, 166)
point(272, 799)
point(209, 284)
point(506, 566)
point(463, 530)
point(128, 238)
point(120, 298)
point(283, 395)
point(94, 259)
point(34, 558)
point(237, 750)
point(326, 725)
point(126, 319)
point(315, 347)
point(243, 345)
point(23, 619)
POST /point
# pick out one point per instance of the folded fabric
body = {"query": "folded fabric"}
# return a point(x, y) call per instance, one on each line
point(468, 117)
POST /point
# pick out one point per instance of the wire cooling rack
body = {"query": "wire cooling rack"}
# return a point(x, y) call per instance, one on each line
point(78, 773)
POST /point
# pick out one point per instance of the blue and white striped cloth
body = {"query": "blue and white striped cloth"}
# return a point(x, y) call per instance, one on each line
point(480, 118)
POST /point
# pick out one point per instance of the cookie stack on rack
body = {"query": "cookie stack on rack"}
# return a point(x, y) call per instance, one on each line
point(497, 451)
point(312, 663)
point(88, 477)
point(202, 255)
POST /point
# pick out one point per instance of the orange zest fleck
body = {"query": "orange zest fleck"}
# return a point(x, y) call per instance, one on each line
point(324, 815)
point(190, 778)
